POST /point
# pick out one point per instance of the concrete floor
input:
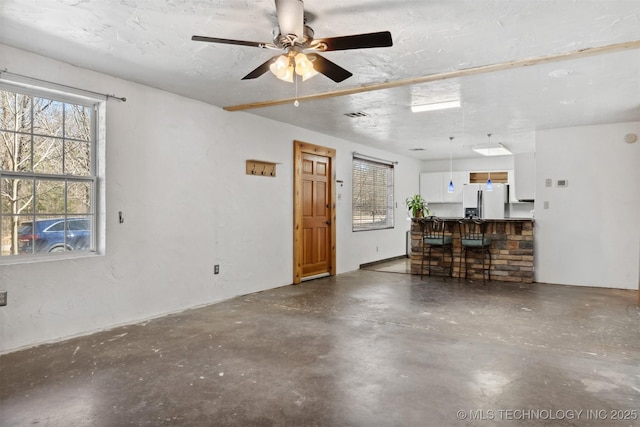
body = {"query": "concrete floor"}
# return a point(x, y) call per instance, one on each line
point(368, 348)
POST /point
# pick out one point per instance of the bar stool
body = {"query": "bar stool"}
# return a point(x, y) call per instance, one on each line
point(433, 237)
point(473, 238)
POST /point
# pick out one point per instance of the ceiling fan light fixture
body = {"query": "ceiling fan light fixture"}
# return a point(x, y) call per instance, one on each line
point(304, 67)
point(436, 106)
point(282, 68)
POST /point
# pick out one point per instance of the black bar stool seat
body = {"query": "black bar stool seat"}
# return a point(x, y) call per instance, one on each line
point(473, 238)
point(434, 237)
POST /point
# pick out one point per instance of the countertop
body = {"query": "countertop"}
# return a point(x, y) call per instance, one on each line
point(485, 219)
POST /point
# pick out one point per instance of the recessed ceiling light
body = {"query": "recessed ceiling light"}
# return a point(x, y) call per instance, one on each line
point(491, 149)
point(436, 106)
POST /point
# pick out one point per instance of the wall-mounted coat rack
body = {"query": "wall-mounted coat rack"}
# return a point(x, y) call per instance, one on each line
point(262, 168)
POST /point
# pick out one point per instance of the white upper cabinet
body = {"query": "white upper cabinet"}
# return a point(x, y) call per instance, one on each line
point(525, 176)
point(434, 186)
point(431, 186)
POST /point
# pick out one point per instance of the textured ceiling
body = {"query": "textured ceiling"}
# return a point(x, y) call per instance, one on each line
point(149, 42)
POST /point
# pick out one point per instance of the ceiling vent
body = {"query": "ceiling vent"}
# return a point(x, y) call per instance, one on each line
point(416, 149)
point(356, 114)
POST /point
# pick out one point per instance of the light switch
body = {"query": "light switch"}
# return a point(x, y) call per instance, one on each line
point(546, 205)
point(548, 182)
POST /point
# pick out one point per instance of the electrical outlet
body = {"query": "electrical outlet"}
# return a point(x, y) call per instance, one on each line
point(216, 269)
point(3, 298)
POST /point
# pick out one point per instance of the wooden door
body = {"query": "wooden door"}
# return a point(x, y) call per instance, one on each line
point(316, 217)
point(314, 211)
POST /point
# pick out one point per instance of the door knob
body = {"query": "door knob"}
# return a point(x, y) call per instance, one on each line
point(328, 222)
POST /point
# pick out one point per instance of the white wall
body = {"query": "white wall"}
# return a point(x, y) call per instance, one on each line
point(175, 167)
point(590, 233)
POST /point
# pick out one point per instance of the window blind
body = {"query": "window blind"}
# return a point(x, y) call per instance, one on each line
point(372, 196)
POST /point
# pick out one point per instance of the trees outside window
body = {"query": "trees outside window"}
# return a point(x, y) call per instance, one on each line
point(372, 194)
point(47, 173)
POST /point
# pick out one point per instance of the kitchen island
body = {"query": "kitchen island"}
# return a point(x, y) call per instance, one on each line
point(511, 250)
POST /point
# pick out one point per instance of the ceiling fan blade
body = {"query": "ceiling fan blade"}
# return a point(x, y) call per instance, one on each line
point(290, 17)
point(328, 68)
point(228, 41)
point(357, 41)
point(260, 70)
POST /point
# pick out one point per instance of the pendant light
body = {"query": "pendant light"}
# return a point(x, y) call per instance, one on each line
point(450, 189)
point(489, 183)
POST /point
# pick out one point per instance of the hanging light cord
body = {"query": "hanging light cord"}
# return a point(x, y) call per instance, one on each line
point(450, 158)
point(450, 187)
point(489, 135)
point(489, 183)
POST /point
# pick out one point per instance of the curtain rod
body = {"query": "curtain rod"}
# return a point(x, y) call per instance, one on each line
point(59, 85)
point(365, 157)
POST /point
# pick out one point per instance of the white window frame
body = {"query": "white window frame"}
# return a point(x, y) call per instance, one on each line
point(369, 223)
point(97, 169)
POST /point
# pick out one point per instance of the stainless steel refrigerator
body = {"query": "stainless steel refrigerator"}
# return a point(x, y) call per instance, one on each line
point(477, 201)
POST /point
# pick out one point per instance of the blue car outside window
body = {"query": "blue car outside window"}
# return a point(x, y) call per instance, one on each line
point(49, 235)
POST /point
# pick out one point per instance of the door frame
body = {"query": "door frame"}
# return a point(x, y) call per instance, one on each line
point(300, 147)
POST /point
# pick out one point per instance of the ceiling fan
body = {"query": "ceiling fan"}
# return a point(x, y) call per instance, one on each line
point(295, 38)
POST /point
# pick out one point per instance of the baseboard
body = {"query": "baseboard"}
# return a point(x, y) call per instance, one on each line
point(370, 264)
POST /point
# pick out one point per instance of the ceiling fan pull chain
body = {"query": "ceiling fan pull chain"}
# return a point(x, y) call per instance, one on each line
point(296, 102)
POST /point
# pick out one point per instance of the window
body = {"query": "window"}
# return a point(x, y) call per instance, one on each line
point(372, 195)
point(47, 173)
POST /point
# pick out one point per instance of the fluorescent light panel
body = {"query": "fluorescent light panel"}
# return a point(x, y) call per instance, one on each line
point(491, 149)
point(435, 106)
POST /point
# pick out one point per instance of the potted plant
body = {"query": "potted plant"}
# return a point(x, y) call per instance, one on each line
point(417, 205)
